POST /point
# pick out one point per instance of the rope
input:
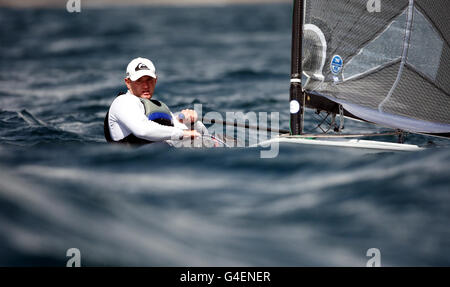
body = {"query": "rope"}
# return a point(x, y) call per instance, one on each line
point(216, 139)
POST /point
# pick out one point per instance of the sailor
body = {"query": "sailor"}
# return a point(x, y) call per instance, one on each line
point(135, 118)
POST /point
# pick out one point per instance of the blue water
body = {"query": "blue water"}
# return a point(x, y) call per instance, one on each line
point(62, 186)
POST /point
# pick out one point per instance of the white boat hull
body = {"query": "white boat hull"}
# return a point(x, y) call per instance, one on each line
point(346, 143)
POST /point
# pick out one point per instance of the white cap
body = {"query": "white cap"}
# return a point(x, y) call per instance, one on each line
point(140, 67)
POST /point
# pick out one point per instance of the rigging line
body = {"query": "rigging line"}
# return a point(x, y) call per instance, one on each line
point(216, 139)
point(341, 118)
point(324, 120)
point(319, 125)
point(406, 41)
point(247, 126)
point(333, 122)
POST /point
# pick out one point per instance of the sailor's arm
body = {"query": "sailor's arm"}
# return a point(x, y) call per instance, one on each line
point(190, 116)
point(186, 117)
point(137, 123)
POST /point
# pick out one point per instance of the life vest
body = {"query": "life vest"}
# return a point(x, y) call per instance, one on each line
point(154, 110)
point(157, 111)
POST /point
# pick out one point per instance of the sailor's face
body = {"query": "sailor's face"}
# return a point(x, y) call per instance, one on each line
point(142, 87)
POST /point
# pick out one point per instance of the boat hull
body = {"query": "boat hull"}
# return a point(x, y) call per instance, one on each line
point(345, 143)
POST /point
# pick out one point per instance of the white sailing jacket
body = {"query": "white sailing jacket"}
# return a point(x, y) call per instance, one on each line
point(127, 116)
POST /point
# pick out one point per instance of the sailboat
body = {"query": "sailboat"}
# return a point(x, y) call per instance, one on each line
point(382, 62)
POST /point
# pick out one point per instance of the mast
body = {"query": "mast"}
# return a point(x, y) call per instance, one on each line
point(297, 97)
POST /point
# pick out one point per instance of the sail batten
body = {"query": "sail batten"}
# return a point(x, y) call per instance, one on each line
point(389, 67)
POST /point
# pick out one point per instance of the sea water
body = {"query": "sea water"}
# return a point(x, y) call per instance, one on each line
point(62, 186)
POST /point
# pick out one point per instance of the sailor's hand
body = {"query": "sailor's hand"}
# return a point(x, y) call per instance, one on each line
point(190, 134)
point(190, 116)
